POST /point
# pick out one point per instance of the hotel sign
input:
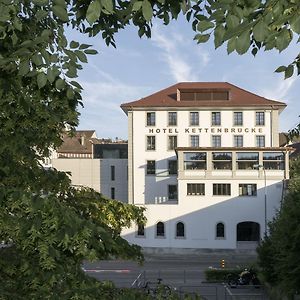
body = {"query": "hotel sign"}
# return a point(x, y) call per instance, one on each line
point(207, 130)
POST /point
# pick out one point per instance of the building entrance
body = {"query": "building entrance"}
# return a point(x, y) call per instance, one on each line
point(248, 231)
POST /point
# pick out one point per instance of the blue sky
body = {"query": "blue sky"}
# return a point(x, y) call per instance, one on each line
point(139, 67)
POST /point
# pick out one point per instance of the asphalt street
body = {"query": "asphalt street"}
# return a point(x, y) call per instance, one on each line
point(186, 274)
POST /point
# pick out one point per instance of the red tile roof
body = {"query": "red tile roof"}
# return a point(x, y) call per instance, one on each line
point(238, 97)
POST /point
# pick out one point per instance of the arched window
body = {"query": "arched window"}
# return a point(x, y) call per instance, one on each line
point(179, 229)
point(220, 230)
point(160, 229)
point(140, 230)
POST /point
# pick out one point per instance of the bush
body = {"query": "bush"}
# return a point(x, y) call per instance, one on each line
point(220, 275)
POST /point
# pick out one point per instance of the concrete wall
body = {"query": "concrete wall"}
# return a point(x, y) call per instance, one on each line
point(85, 172)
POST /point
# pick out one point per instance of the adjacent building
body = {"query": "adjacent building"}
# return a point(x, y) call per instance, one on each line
point(205, 161)
point(100, 164)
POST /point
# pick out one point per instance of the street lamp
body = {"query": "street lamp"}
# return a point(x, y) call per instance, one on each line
point(265, 193)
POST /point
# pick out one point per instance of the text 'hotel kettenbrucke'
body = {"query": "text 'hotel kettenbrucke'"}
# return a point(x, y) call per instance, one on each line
point(204, 159)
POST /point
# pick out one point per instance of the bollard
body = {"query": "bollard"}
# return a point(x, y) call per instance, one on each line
point(222, 263)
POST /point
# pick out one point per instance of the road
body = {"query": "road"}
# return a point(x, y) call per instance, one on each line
point(183, 273)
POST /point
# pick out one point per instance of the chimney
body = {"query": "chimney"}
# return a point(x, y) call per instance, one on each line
point(82, 140)
point(178, 95)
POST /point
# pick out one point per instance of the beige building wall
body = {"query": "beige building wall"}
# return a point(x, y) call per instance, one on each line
point(84, 172)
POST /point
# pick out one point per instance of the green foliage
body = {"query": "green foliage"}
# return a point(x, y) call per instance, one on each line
point(49, 226)
point(279, 252)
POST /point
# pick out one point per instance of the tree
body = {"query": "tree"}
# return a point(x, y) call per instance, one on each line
point(279, 252)
point(49, 226)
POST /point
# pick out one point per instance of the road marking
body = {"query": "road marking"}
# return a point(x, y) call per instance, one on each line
point(103, 271)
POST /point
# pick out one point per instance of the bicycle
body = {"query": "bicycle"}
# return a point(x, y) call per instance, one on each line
point(155, 288)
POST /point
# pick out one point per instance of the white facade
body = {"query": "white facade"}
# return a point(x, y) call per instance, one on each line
point(166, 196)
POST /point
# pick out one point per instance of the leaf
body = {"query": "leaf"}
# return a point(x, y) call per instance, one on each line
point(41, 14)
point(204, 25)
point(84, 46)
point(289, 71)
point(76, 84)
point(90, 51)
point(41, 80)
point(280, 69)
point(283, 39)
point(37, 59)
point(137, 6)
point(40, 2)
point(147, 10)
point(82, 57)
point(59, 84)
point(74, 44)
point(243, 42)
point(61, 3)
point(24, 68)
point(108, 5)
point(17, 24)
point(254, 51)
point(51, 75)
point(231, 45)
point(260, 31)
point(93, 12)
point(202, 38)
point(219, 34)
point(295, 24)
point(70, 93)
point(232, 21)
point(60, 12)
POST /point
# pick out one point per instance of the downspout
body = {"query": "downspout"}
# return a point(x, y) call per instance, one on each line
point(271, 126)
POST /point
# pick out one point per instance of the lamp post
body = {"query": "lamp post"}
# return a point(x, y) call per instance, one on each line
point(265, 193)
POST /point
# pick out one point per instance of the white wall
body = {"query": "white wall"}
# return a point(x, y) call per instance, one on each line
point(85, 172)
point(200, 214)
point(121, 180)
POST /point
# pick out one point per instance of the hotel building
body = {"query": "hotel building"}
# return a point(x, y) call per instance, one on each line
point(204, 159)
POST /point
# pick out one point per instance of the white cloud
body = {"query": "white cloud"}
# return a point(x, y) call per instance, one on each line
point(180, 69)
point(280, 90)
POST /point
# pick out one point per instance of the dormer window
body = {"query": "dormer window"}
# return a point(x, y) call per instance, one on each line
point(203, 95)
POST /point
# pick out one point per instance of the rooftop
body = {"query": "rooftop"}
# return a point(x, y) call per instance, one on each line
point(203, 94)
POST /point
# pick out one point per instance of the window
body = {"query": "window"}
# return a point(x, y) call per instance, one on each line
point(112, 193)
point(238, 118)
point(246, 160)
point(179, 229)
point(194, 140)
point(221, 189)
point(150, 167)
point(172, 167)
point(172, 118)
point(220, 230)
point(222, 160)
point(195, 189)
point(194, 160)
point(215, 118)
point(151, 142)
point(194, 118)
point(260, 141)
point(204, 95)
point(238, 141)
point(112, 173)
point(172, 192)
point(160, 229)
point(172, 142)
point(247, 189)
point(150, 118)
point(216, 141)
point(140, 230)
point(260, 118)
point(273, 160)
